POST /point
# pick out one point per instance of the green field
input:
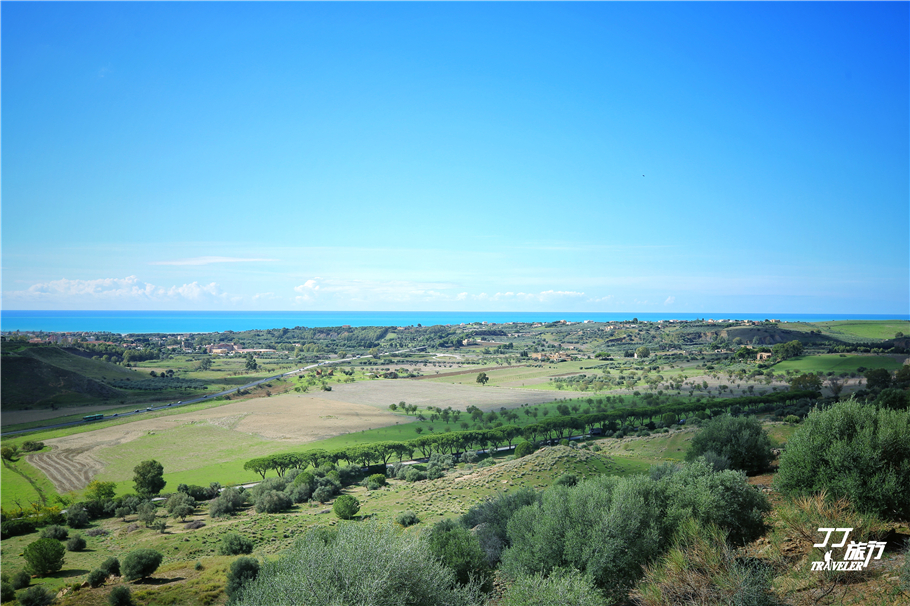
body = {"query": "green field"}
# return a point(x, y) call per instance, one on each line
point(837, 363)
point(855, 330)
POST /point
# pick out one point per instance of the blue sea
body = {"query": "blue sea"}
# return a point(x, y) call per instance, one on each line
point(124, 322)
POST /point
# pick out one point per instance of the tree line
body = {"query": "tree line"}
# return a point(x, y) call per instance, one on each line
point(556, 428)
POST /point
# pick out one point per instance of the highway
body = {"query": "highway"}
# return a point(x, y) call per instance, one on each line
point(171, 406)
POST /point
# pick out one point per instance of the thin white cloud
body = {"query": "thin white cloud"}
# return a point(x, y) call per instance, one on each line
point(128, 289)
point(670, 300)
point(210, 260)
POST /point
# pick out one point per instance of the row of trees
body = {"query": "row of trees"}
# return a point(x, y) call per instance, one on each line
point(550, 429)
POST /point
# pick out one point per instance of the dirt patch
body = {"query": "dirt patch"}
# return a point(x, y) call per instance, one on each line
point(430, 393)
point(463, 372)
point(292, 418)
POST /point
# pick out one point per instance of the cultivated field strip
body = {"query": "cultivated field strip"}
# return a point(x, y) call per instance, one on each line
point(68, 469)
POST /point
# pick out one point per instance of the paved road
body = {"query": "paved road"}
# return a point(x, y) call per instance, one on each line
point(202, 398)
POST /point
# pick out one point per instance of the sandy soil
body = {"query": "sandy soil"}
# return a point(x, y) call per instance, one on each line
point(430, 393)
point(295, 419)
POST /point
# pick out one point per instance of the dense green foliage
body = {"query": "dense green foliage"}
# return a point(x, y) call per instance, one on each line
point(562, 588)
point(233, 543)
point(242, 571)
point(75, 543)
point(56, 532)
point(96, 578)
point(110, 566)
point(609, 527)
point(489, 519)
point(460, 551)
point(120, 596)
point(740, 440)
point(44, 556)
point(346, 507)
point(148, 478)
point(36, 596)
point(21, 580)
point(369, 564)
point(140, 563)
point(855, 451)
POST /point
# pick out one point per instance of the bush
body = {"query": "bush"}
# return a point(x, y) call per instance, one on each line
point(140, 563)
point(367, 564)
point(44, 556)
point(96, 578)
point(741, 440)
point(855, 451)
point(110, 566)
point(31, 446)
point(701, 569)
point(323, 494)
point(377, 478)
point(7, 593)
point(459, 550)
point(76, 516)
point(120, 596)
point(407, 518)
point(524, 449)
point(21, 580)
point(234, 544)
point(75, 543)
point(469, 456)
point(36, 596)
point(272, 502)
point(414, 475)
point(489, 519)
point(243, 570)
point(194, 525)
point(568, 479)
point(632, 518)
point(562, 588)
point(346, 507)
point(180, 505)
point(230, 501)
point(16, 528)
point(58, 533)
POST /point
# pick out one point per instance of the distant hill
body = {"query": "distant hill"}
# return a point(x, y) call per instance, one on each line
point(44, 377)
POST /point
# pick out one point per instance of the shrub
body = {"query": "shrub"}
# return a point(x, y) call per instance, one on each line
point(855, 451)
point(96, 578)
point(272, 502)
point(194, 525)
point(716, 461)
point(524, 449)
point(31, 446)
point(110, 566)
point(122, 512)
point(562, 588)
point(16, 528)
point(7, 593)
point(369, 564)
point(632, 518)
point(701, 569)
point(140, 563)
point(243, 570)
point(96, 532)
point(76, 516)
point(58, 533)
point(458, 549)
point(489, 519)
point(792, 419)
point(120, 596)
point(75, 543)
point(44, 556)
point(346, 506)
point(198, 566)
point(323, 494)
point(377, 478)
point(230, 500)
point(469, 456)
point(21, 580)
point(234, 544)
point(407, 518)
point(180, 505)
point(568, 479)
point(414, 475)
point(36, 596)
point(741, 440)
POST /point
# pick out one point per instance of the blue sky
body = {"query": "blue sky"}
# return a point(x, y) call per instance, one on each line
point(718, 157)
